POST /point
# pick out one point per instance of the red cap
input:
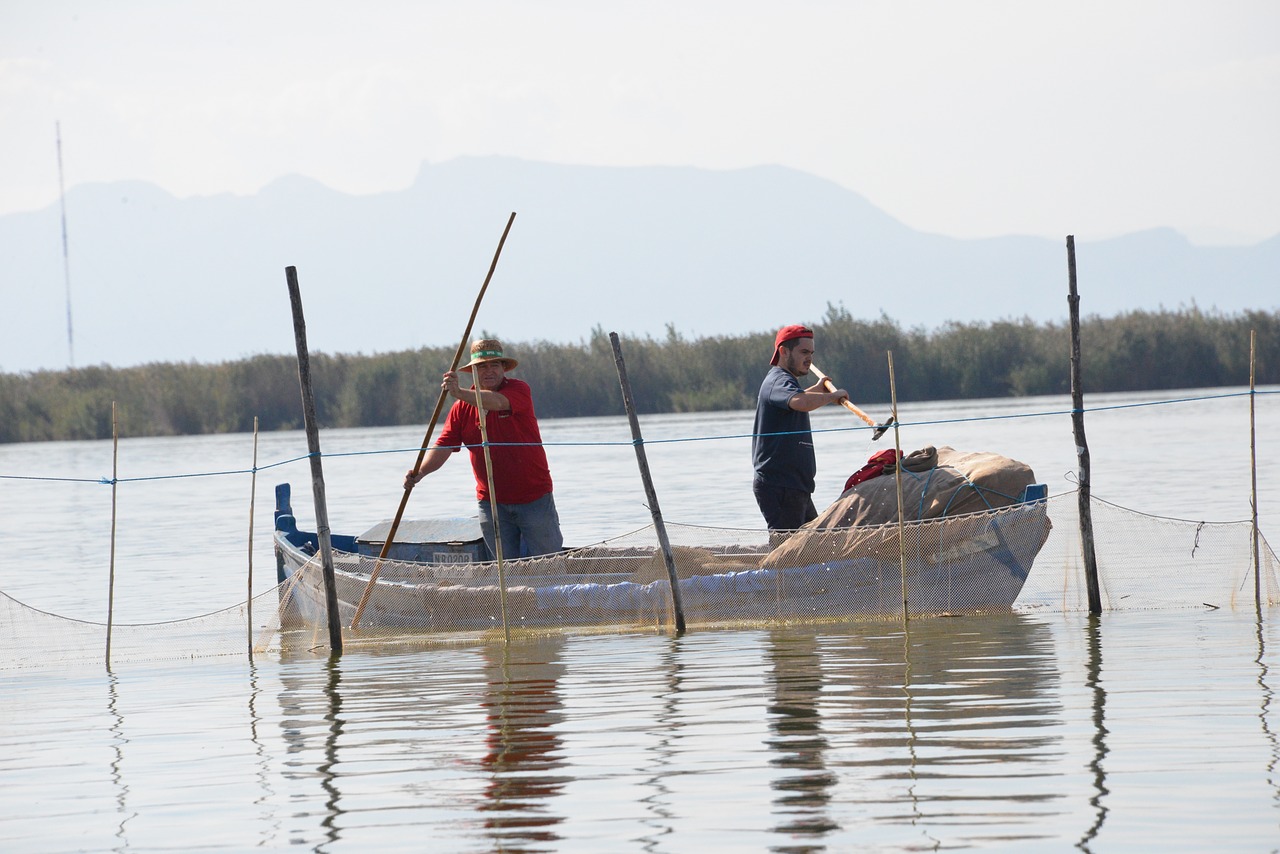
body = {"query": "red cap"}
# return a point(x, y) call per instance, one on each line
point(789, 333)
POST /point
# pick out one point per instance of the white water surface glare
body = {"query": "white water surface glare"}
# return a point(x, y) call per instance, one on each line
point(1137, 731)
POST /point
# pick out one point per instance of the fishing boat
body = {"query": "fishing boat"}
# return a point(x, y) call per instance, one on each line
point(855, 559)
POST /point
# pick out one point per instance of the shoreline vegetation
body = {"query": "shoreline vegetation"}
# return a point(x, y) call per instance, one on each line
point(1135, 351)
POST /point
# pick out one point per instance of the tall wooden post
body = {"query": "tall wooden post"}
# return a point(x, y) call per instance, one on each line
point(1082, 444)
point(317, 474)
point(253, 494)
point(897, 475)
point(115, 480)
point(651, 495)
point(1253, 470)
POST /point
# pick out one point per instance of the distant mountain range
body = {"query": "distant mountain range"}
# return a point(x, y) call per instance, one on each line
point(632, 250)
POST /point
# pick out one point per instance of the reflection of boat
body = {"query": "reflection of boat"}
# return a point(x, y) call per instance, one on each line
point(435, 575)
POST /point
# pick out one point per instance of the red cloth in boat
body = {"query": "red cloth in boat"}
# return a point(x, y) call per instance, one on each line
point(876, 465)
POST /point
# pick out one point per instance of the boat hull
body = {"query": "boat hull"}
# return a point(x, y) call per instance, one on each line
point(979, 569)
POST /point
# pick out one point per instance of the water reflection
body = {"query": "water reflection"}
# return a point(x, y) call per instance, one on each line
point(949, 735)
point(661, 755)
point(312, 722)
point(926, 719)
point(1264, 709)
point(795, 720)
point(523, 709)
point(1093, 681)
point(271, 823)
point(118, 741)
point(327, 769)
point(917, 817)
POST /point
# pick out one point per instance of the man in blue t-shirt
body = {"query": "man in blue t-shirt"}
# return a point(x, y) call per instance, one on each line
point(782, 444)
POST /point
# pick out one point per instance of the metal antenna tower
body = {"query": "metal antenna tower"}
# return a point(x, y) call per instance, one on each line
point(66, 263)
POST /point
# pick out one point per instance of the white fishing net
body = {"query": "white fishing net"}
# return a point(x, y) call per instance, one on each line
point(969, 564)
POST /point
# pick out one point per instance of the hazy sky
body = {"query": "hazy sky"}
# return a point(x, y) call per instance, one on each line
point(968, 119)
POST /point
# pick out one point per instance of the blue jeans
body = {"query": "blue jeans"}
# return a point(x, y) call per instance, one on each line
point(783, 509)
point(528, 530)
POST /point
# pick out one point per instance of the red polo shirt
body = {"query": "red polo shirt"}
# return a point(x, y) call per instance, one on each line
point(520, 472)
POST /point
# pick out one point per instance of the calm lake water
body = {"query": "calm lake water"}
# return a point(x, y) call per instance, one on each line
point(1143, 730)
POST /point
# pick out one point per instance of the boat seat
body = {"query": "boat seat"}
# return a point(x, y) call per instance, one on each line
point(1034, 492)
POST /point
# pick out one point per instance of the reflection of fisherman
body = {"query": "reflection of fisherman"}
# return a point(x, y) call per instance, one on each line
point(782, 447)
point(795, 719)
point(521, 478)
point(523, 714)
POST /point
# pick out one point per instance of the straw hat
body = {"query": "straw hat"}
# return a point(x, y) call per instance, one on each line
point(488, 350)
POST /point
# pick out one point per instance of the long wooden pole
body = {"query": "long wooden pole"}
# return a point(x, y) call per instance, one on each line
point(493, 513)
point(435, 416)
point(1253, 471)
point(111, 576)
point(831, 386)
point(897, 473)
point(1082, 444)
point(317, 473)
point(253, 494)
point(650, 493)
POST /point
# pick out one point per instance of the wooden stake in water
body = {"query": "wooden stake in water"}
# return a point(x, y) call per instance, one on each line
point(493, 512)
point(1253, 471)
point(253, 494)
point(111, 578)
point(317, 474)
point(651, 494)
point(897, 473)
point(1082, 444)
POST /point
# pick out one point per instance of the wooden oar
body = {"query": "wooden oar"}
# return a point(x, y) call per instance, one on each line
point(880, 428)
point(435, 416)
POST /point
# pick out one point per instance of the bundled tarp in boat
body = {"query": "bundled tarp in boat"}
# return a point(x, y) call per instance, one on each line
point(937, 483)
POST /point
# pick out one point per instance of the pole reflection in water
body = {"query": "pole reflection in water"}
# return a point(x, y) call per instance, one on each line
point(312, 725)
point(972, 744)
point(522, 712)
point(1093, 681)
point(916, 815)
point(1264, 709)
point(367, 739)
point(795, 721)
point(661, 755)
point(268, 817)
point(328, 768)
point(118, 741)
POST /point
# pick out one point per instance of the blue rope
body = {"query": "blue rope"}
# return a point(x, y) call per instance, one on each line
point(634, 442)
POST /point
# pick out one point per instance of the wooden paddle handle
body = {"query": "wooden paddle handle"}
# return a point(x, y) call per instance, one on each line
point(826, 381)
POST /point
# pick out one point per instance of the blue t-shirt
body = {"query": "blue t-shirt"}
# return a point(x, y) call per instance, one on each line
point(782, 447)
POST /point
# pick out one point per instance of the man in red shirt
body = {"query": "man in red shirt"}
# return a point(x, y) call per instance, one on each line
point(527, 517)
